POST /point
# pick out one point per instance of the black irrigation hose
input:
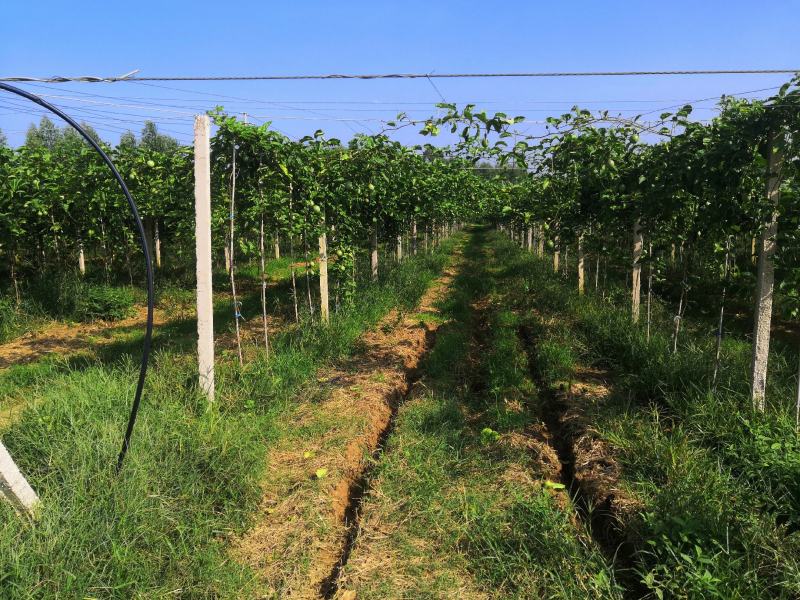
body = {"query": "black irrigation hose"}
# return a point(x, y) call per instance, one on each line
point(148, 336)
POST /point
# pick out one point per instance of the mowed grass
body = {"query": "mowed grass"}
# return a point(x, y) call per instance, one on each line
point(461, 506)
point(191, 480)
point(717, 483)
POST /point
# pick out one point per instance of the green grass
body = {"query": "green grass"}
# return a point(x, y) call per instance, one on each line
point(192, 476)
point(466, 510)
point(719, 484)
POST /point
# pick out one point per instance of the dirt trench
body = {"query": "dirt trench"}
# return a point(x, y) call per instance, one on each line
point(304, 532)
point(588, 468)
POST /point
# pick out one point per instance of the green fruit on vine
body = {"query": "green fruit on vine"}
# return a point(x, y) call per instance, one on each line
point(150, 163)
point(317, 208)
point(371, 187)
point(550, 244)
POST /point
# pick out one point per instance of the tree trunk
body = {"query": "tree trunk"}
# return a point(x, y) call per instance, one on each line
point(636, 272)
point(14, 279)
point(399, 252)
point(294, 280)
point(581, 272)
point(227, 256)
point(236, 305)
point(597, 272)
point(681, 310)
point(718, 351)
point(529, 241)
point(414, 237)
point(540, 249)
point(157, 243)
point(276, 241)
point(263, 284)
point(556, 253)
point(797, 401)
point(324, 307)
point(766, 274)
point(373, 252)
point(649, 289)
point(308, 275)
point(81, 258)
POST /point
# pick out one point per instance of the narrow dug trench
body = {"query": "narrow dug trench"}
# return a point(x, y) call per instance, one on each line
point(588, 468)
point(321, 467)
point(359, 488)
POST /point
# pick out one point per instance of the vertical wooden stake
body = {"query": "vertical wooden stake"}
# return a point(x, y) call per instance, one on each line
point(324, 307)
point(205, 301)
point(13, 485)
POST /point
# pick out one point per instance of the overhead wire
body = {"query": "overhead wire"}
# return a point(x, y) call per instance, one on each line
point(130, 77)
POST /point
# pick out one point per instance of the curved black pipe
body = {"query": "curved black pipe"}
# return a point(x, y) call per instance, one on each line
point(148, 336)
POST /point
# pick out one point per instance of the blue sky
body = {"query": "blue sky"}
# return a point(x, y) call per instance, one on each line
point(43, 37)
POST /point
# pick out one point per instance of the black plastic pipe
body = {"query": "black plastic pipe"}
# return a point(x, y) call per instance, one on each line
point(148, 336)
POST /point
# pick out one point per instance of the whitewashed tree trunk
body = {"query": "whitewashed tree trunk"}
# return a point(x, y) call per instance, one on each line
point(308, 273)
point(649, 289)
point(263, 284)
point(231, 269)
point(399, 251)
point(414, 237)
point(597, 272)
point(636, 272)
point(766, 274)
point(556, 253)
point(294, 281)
point(81, 259)
point(324, 305)
point(14, 486)
point(157, 243)
point(276, 241)
point(581, 271)
point(373, 253)
point(529, 240)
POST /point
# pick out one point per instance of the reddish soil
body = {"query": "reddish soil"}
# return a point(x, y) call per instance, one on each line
point(65, 339)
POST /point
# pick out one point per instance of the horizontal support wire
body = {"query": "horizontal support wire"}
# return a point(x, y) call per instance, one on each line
point(129, 77)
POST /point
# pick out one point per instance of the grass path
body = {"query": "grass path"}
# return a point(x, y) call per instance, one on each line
point(466, 501)
point(315, 471)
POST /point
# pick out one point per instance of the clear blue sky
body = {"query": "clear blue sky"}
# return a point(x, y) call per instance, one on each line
point(45, 37)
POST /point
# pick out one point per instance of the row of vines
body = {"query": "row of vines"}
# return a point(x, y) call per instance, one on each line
point(698, 212)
